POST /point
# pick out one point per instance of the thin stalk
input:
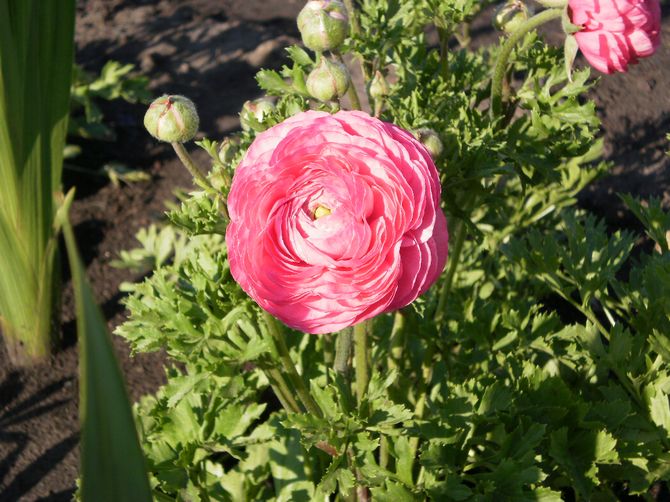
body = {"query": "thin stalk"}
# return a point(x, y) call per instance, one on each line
point(454, 257)
point(383, 452)
point(353, 97)
point(328, 355)
point(292, 374)
point(560, 4)
point(282, 391)
point(351, 90)
point(195, 171)
point(366, 67)
point(343, 346)
point(342, 364)
point(463, 38)
point(353, 19)
point(420, 406)
point(396, 341)
point(361, 355)
point(503, 58)
point(189, 164)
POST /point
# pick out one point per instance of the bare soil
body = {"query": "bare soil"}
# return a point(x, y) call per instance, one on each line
point(210, 51)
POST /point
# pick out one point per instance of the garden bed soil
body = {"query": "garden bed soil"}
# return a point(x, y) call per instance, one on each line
point(210, 51)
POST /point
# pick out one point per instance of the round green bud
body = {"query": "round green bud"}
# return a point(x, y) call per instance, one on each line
point(378, 86)
point(254, 114)
point(511, 15)
point(173, 119)
point(228, 150)
point(329, 80)
point(323, 24)
point(431, 140)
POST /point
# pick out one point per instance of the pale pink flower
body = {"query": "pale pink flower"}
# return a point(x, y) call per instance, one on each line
point(335, 219)
point(616, 33)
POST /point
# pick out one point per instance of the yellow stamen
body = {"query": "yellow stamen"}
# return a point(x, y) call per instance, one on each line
point(321, 211)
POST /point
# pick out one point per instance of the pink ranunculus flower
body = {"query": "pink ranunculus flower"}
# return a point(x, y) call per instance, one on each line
point(616, 33)
point(335, 219)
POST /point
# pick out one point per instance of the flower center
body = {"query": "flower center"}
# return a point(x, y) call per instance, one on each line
point(321, 211)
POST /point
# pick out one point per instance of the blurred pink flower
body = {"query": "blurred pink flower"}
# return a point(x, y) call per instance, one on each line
point(335, 219)
point(615, 33)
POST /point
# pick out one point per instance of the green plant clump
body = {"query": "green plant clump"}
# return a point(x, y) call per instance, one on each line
point(536, 369)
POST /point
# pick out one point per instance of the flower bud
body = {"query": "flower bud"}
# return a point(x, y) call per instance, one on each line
point(378, 86)
point(431, 140)
point(219, 178)
point(329, 80)
point(323, 24)
point(173, 119)
point(228, 150)
point(254, 113)
point(510, 16)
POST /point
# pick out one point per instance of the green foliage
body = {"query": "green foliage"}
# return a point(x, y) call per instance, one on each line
point(114, 82)
point(545, 377)
point(112, 464)
point(36, 54)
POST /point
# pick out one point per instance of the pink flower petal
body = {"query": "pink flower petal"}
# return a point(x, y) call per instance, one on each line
point(335, 219)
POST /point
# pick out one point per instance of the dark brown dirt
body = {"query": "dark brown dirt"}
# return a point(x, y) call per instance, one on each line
point(210, 51)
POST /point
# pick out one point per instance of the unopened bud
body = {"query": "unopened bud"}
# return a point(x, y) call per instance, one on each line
point(173, 119)
point(323, 24)
point(329, 80)
point(254, 113)
point(431, 140)
point(378, 86)
point(228, 150)
point(219, 178)
point(511, 15)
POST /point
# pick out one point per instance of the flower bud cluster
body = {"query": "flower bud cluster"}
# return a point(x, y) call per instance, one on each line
point(324, 25)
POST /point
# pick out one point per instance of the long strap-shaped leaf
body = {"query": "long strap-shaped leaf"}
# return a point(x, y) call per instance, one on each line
point(112, 465)
point(36, 54)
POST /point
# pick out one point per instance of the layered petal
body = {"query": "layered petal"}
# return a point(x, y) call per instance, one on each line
point(335, 219)
point(616, 33)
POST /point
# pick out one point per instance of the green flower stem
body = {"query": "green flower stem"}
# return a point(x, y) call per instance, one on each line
point(282, 391)
point(328, 355)
point(285, 357)
point(396, 341)
point(366, 66)
point(560, 4)
point(343, 346)
point(353, 19)
point(501, 65)
point(351, 90)
point(190, 165)
point(420, 406)
point(383, 452)
point(460, 233)
point(353, 96)
point(361, 355)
